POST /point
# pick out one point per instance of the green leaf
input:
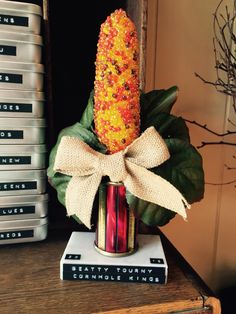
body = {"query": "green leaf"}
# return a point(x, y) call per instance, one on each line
point(60, 181)
point(170, 126)
point(87, 116)
point(183, 170)
point(147, 99)
point(76, 218)
point(156, 102)
point(151, 214)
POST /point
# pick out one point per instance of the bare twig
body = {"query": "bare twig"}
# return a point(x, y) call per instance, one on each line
point(204, 126)
point(224, 43)
point(229, 168)
point(224, 183)
point(216, 143)
point(225, 59)
point(231, 122)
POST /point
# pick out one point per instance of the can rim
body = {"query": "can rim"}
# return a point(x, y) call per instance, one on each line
point(115, 183)
point(21, 66)
point(21, 95)
point(21, 7)
point(22, 149)
point(9, 175)
point(23, 199)
point(23, 223)
point(21, 37)
point(132, 251)
point(12, 123)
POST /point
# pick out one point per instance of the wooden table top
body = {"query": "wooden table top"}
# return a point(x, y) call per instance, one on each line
point(30, 283)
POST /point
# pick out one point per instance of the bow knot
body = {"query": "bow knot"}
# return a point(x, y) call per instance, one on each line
point(113, 166)
point(87, 167)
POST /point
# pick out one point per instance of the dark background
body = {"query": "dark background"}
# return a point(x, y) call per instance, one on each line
point(73, 36)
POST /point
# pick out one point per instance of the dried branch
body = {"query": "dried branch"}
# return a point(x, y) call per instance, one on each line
point(229, 168)
point(216, 143)
point(204, 126)
point(224, 43)
point(231, 122)
point(224, 183)
point(225, 59)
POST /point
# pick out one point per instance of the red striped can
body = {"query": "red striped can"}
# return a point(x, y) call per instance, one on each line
point(116, 233)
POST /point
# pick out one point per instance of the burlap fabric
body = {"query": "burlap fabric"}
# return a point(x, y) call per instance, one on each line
point(87, 167)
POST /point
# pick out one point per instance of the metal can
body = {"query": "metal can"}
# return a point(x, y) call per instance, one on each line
point(21, 104)
point(117, 226)
point(22, 157)
point(23, 207)
point(22, 182)
point(19, 47)
point(21, 76)
point(27, 230)
point(20, 17)
point(22, 131)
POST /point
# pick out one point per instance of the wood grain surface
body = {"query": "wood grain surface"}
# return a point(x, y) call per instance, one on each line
point(30, 283)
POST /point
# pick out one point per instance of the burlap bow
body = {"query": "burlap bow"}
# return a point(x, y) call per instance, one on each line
point(87, 167)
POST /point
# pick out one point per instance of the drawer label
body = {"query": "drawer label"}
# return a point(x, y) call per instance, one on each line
point(15, 160)
point(11, 78)
point(11, 107)
point(8, 134)
point(14, 20)
point(14, 186)
point(16, 234)
point(6, 50)
point(17, 210)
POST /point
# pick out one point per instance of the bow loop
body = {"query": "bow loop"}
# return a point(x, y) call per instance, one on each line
point(149, 150)
point(75, 158)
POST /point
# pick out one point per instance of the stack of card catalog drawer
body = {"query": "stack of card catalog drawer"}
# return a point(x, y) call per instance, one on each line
point(23, 198)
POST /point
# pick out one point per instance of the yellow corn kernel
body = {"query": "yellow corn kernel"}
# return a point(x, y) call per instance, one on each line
point(116, 98)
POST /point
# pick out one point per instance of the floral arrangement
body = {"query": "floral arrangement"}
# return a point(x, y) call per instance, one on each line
point(126, 135)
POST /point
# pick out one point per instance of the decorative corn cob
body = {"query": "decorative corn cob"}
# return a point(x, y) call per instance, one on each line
point(116, 98)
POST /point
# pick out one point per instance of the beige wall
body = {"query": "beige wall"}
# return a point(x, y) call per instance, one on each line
point(179, 43)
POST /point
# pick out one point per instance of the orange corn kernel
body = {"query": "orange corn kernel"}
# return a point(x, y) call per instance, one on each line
point(116, 98)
